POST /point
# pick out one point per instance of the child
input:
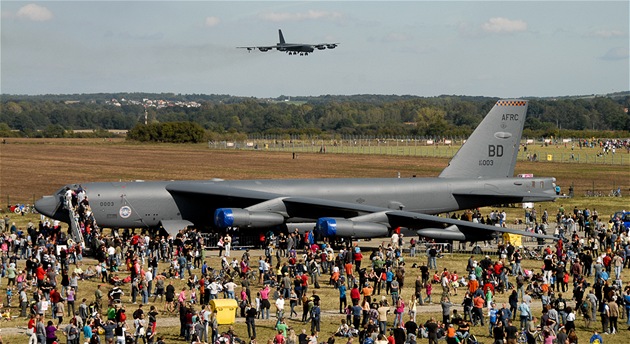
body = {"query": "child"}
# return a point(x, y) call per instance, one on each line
point(6, 315)
point(258, 301)
point(193, 296)
point(429, 290)
point(243, 294)
point(489, 297)
point(9, 296)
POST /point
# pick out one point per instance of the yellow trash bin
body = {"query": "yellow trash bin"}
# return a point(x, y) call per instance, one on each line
point(514, 239)
point(225, 310)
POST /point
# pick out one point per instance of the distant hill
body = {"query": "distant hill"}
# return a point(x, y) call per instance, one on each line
point(361, 114)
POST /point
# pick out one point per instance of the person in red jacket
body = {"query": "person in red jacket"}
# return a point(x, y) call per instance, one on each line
point(358, 256)
point(54, 296)
point(41, 274)
point(355, 295)
point(488, 286)
point(304, 278)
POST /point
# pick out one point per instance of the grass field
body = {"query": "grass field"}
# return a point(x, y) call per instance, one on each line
point(169, 327)
point(563, 152)
point(32, 168)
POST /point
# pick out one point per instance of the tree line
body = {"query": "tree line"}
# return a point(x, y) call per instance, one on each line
point(359, 115)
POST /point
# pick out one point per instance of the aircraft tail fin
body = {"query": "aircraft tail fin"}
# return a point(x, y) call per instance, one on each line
point(281, 37)
point(491, 150)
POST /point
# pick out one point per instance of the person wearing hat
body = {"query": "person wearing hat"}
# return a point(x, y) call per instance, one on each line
point(614, 314)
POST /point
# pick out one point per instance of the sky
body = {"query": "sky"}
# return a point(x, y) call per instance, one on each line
point(424, 48)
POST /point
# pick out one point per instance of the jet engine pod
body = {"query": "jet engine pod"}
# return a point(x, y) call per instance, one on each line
point(448, 233)
point(328, 226)
point(236, 217)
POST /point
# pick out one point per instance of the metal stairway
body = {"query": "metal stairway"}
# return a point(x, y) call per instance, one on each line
point(75, 229)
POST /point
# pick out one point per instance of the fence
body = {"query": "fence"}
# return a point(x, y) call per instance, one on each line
point(445, 148)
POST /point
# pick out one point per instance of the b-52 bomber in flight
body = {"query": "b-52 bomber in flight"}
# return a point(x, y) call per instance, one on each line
point(480, 174)
point(293, 48)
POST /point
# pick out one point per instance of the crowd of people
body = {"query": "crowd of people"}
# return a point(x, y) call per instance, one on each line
point(43, 269)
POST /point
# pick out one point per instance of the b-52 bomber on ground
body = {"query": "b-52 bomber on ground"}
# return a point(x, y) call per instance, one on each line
point(302, 49)
point(480, 174)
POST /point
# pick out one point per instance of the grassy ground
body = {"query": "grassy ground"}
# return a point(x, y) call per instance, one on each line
point(169, 327)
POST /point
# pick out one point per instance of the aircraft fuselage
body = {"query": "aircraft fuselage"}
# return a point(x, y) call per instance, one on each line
point(146, 204)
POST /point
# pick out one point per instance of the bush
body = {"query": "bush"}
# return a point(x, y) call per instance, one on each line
point(171, 132)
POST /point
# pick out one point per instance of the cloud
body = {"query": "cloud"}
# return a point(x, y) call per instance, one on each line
point(35, 13)
point(211, 21)
point(503, 25)
point(608, 33)
point(614, 54)
point(300, 16)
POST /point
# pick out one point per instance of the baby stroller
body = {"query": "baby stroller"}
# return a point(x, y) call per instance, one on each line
point(532, 254)
point(472, 340)
point(115, 280)
point(502, 288)
point(535, 290)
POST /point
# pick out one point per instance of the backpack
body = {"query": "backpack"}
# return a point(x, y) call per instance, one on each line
point(561, 305)
point(136, 314)
point(368, 340)
point(73, 331)
point(315, 312)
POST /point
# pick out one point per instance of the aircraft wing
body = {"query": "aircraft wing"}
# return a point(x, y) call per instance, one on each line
point(370, 220)
point(322, 46)
point(261, 48)
point(332, 217)
point(452, 229)
point(221, 192)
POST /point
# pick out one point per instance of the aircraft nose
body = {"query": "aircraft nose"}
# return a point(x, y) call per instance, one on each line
point(47, 205)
